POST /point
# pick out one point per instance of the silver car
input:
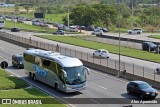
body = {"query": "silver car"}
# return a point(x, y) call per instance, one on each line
point(97, 32)
point(135, 31)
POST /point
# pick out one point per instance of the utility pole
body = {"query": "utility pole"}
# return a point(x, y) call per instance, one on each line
point(119, 30)
point(68, 21)
point(132, 16)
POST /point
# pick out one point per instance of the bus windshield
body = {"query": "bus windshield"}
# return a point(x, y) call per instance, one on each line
point(75, 75)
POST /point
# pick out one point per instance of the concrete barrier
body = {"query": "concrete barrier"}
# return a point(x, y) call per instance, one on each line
point(123, 74)
point(125, 39)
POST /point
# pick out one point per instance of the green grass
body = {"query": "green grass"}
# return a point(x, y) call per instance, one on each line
point(154, 36)
point(13, 87)
point(11, 83)
point(49, 17)
point(112, 48)
point(10, 24)
point(23, 94)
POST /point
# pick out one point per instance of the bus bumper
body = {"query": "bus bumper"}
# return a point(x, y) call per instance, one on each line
point(75, 88)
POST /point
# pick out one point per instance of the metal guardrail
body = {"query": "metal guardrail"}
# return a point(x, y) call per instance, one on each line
point(144, 72)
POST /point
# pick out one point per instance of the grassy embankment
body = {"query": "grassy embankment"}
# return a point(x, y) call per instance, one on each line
point(112, 48)
point(26, 27)
point(13, 87)
point(154, 36)
point(48, 17)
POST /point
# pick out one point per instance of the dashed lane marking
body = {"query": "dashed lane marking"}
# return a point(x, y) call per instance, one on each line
point(99, 86)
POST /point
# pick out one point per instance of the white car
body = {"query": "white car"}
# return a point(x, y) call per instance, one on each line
point(97, 32)
point(135, 31)
point(101, 53)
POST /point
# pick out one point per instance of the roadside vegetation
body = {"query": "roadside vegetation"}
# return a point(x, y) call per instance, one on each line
point(111, 48)
point(57, 18)
point(103, 13)
point(26, 27)
point(13, 87)
point(154, 36)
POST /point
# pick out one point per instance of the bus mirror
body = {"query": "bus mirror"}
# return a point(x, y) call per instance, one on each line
point(88, 71)
point(64, 72)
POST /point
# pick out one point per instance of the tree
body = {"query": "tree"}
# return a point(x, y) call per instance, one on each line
point(42, 10)
point(16, 9)
point(27, 8)
point(89, 15)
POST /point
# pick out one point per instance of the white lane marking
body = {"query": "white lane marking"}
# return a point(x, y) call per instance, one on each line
point(98, 85)
point(110, 76)
point(41, 89)
point(1, 48)
point(1, 57)
point(94, 101)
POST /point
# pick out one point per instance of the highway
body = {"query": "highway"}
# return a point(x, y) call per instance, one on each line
point(99, 85)
point(86, 50)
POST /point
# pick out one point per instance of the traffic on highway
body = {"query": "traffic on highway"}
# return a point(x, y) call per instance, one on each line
point(80, 53)
point(99, 85)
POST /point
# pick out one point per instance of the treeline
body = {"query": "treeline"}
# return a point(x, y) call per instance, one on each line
point(107, 15)
point(128, 2)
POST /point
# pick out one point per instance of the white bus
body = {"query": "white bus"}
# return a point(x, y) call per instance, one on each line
point(62, 72)
point(2, 24)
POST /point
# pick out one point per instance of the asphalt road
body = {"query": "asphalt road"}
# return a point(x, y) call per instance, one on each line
point(99, 85)
point(128, 63)
point(125, 59)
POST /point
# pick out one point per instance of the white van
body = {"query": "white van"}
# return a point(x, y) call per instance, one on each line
point(97, 32)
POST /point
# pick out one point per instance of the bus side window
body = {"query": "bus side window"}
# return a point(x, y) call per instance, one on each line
point(46, 62)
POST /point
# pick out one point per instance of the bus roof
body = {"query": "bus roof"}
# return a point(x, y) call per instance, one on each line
point(64, 61)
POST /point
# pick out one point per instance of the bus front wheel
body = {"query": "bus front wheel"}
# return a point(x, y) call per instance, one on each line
point(34, 77)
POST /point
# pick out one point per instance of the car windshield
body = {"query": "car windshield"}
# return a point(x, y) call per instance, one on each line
point(75, 75)
point(104, 51)
point(136, 29)
point(20, 59)
point(151, 44)
point(144, 85)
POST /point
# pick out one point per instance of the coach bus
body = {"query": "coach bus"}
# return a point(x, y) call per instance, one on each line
point(62, 72)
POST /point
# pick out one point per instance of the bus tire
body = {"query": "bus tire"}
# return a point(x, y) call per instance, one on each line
point(30, 75)
point(56, 86)
point(34, 77)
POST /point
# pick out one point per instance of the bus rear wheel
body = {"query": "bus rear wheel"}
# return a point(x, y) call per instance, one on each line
point(56, 86)
point(30, 75)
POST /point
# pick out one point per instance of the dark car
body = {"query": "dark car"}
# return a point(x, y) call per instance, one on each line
point(149, 46)
point(15, 30)
point(104, 29)
point(18, 61)
point(58, 32)
point(142, 89)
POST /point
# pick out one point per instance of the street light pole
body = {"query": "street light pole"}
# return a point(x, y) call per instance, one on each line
point(119, 30)
point(68, 21)
point(132, 16)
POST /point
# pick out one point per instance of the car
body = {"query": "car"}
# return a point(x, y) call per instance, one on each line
point(142, 89)
point(71, 29)
point(149, 46)
point(135, 31)
point(104, 29)
point(18, 61)
point(58, 32)
point(101, 53)
point(15, 30)
point(97, 32)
